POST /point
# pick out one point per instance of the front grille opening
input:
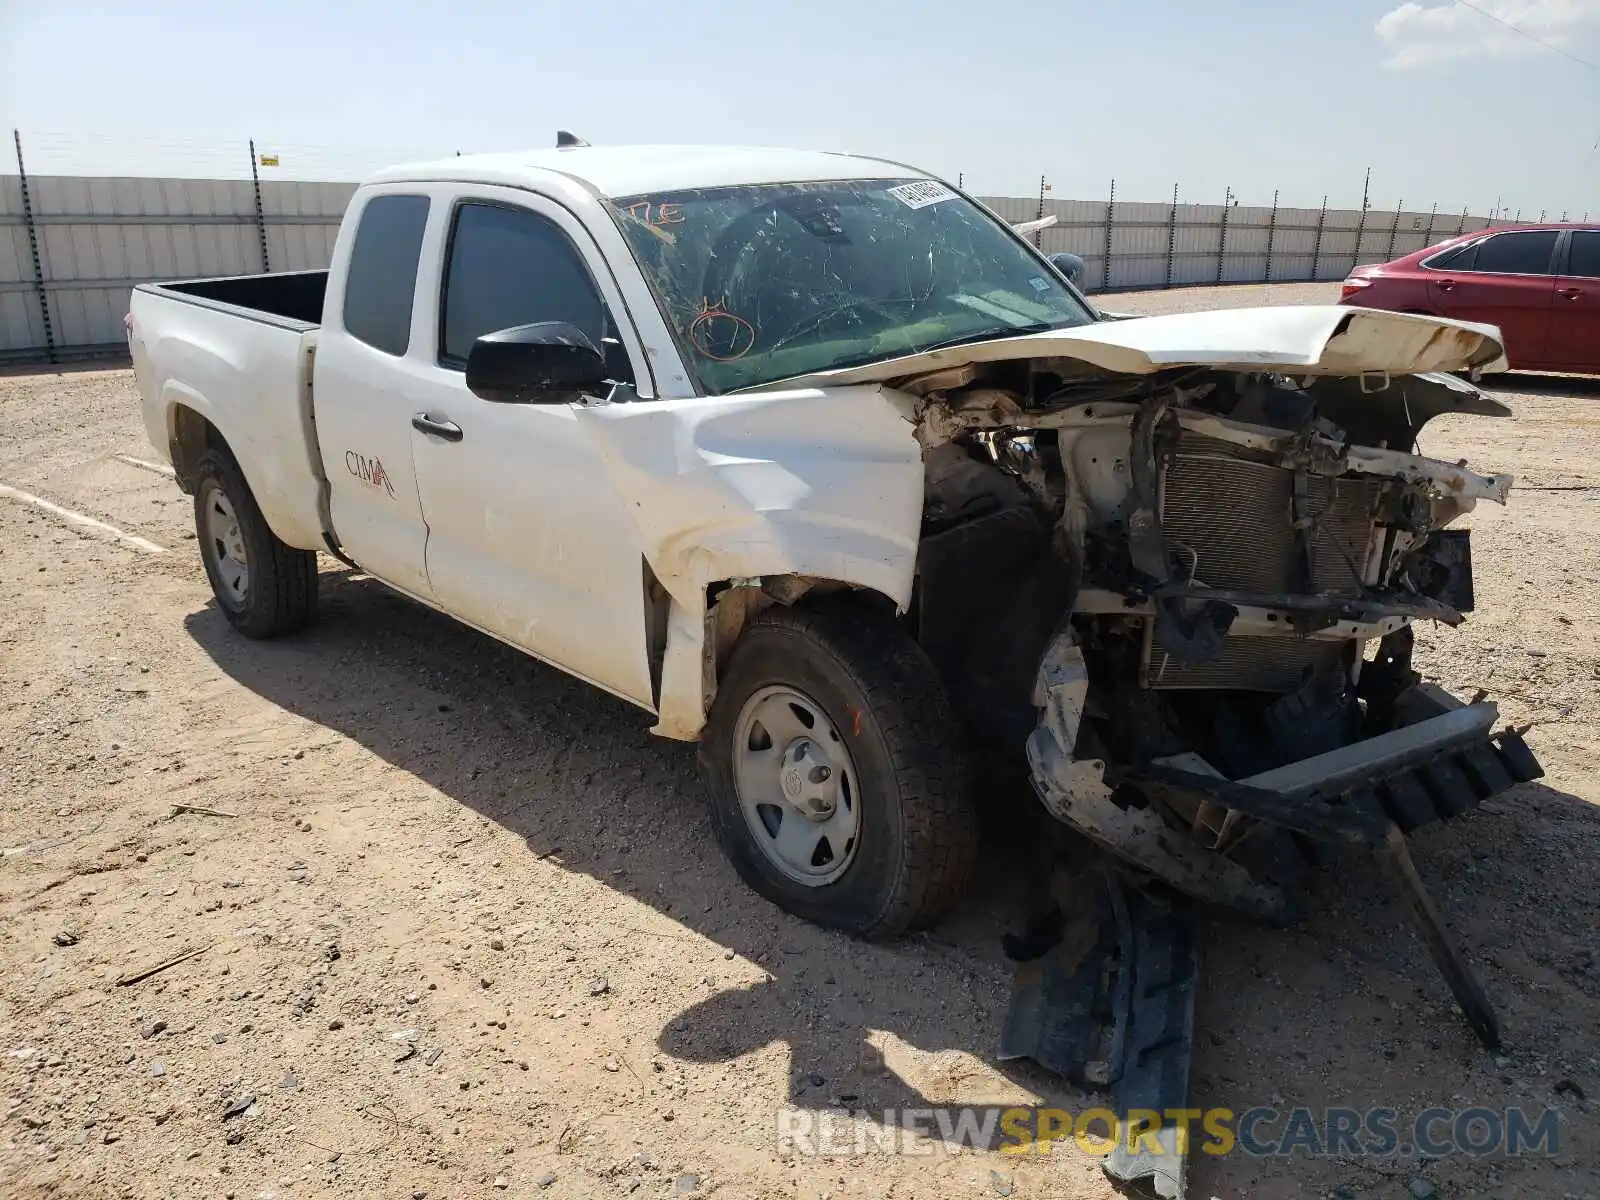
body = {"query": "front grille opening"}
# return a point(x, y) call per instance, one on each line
point(1276, 665)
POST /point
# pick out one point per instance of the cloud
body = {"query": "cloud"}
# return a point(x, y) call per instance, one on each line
point(1418, 35)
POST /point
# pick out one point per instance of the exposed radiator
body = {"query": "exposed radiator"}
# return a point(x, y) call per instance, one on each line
point(1236, 517)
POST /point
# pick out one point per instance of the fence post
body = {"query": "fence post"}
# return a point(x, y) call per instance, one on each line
point(1394, 229)
point(1105, 264)
point(33, 249)
point(1222, 240)
point(1272, 232)
point(1038, 234)
point(1361, 229)
point(1172, 234)
point(1316, 246)
point(1427, 238)
point(1461, 226)
point(261, 216)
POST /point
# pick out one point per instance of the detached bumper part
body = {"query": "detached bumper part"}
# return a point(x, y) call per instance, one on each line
point(1438, 767)
point(1369, 793)
point(1111, 1005)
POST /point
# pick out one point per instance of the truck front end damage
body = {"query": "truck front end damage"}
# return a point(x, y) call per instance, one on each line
point(1227, 577)
point(1166, 569)
point(1213, 572)
point(1218, 571)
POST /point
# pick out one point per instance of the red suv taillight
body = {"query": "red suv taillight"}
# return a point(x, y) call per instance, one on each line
point(1353, 285)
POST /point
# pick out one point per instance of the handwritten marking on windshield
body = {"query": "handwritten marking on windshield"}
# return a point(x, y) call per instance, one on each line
point(656, 214)
point(719, 334)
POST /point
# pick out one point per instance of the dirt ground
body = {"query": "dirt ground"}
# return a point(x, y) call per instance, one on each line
point(468, 933)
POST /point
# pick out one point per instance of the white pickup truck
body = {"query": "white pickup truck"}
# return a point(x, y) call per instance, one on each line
point(816, 460)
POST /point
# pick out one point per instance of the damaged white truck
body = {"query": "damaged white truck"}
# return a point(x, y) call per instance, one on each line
point(819, 462)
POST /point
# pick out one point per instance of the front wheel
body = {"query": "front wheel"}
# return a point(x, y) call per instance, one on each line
point(263, 586)
point(837, 780)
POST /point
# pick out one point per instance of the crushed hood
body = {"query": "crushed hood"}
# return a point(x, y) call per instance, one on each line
point(1291, 340)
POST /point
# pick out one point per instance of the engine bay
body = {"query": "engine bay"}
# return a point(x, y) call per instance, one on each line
point(1200, 574)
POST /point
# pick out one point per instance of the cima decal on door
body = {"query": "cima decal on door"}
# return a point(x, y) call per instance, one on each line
point(368, 470)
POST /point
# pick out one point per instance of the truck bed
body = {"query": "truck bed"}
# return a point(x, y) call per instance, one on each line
point(289, 296)
point(237, 353)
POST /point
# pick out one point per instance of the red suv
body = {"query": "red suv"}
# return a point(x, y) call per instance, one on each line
point(1539, 283)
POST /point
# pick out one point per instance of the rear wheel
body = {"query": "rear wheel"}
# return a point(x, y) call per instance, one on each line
point(263, 586)
point(837, 781)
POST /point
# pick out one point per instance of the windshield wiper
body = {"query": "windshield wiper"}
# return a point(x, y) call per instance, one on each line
point(990, 335)
point(845, 364)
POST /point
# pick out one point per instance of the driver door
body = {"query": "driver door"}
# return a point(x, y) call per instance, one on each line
point(526, 539)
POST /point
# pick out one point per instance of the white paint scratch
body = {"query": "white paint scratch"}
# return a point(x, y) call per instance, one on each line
point(80, 519)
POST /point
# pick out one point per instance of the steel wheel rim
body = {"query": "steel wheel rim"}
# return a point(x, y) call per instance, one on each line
point(796, 785)
point(224, 545)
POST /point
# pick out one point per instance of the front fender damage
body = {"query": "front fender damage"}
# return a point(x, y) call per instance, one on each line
point(807, 484)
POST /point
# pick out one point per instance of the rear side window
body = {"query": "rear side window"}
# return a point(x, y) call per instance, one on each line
point(1526, 253)
point(382, 277)
point(1459, 259)
point(1585, 254)
point(508, 267)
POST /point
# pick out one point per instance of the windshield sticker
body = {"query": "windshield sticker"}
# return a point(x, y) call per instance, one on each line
point(1039, 285)
point(718, 334)
point(921, 194)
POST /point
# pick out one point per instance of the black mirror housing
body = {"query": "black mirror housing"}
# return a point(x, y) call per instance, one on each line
point(1069, 265)
point(551, 362)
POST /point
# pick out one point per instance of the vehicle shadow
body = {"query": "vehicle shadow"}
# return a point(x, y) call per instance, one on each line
point(1520, 383)
point(576, 775)
point(1344, 1010)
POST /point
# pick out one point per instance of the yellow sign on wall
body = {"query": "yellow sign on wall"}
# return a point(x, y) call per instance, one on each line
point(269, 160)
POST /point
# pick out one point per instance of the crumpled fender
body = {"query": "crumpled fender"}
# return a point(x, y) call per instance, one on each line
point(819, 482)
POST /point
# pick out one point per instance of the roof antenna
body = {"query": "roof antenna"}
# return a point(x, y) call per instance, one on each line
point(566, 140)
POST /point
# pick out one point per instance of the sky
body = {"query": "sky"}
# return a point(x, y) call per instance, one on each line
point(1443, 103)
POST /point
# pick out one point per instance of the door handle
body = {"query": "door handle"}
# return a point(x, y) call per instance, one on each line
point(1444, 285)
point(1569, 293)
point(434, 427)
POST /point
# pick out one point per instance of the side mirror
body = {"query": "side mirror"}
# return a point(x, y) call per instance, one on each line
point(1069, 265)
point(551, 362)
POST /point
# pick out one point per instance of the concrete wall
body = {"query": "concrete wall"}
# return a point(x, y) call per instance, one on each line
point(98, 238)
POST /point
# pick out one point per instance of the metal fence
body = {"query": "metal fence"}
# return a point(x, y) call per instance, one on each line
point(1128, 245)
point(72, 247)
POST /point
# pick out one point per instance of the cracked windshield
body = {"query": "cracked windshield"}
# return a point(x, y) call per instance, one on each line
point(767, 282)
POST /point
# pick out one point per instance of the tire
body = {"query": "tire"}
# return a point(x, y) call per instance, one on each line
point(277, 591)
point(902, 777)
